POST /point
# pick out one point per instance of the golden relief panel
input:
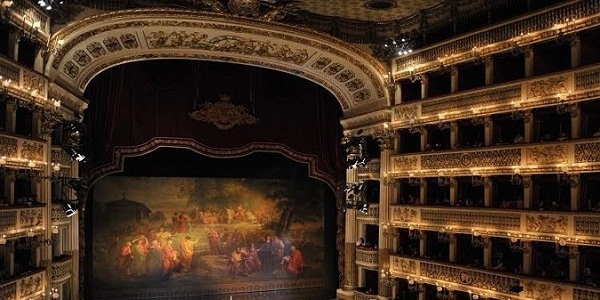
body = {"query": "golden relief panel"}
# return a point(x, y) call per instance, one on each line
point(403, 163)
point(407, 112)
point(32, 151)
point(8, 291)
point(478, 279)
point(467, 219)
point(31, 285)
point(61, 270)
point(547, 87)
point(34, 81)
point(587, 79)
point(491, 158)
point(497, 96)
point(543, 291)
point(543, 155)
point(403, 265)
point(546, 223)
point(31, 218)
point(8, 146)
point(8, 220)
point(405, 214)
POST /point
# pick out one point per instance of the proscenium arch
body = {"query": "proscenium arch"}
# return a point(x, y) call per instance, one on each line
point(85, 48)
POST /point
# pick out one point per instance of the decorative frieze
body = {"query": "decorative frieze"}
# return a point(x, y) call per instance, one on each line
point(472, 159)
point(403, 265)
point(546, 223)
point(547, 87)
point(587, 152)
point(404, 214)
point(402, 163)
point(367, 257)
point(543, 155)
point(62, 270)
point(544, 291)
point(371, 215)
point(466, 220)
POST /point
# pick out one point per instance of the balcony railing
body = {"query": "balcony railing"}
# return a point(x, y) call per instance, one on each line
point(58, 215)
point(371, 170)
point(371, 215)
point(27, 287)
point(367, 257)
point(494, 284)
point(23, 82)
point(558, 88)
point(22, 152)
point(536, 158)
point(62, 269)
point(571, 227)
point(25, 13)
point(358, 295)
point(18, 222)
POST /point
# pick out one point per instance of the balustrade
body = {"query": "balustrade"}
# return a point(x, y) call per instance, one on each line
point(371, 170)
point(367, 257)
point(23, 82)
point(18, 222)
point(31, 286)
point(21, 152)
point(371, 215)
point(358, 295)
point(62, 269)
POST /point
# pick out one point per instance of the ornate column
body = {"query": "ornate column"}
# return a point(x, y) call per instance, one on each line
point(575, 191)
point(350, 269)
point(422, 244)
point(424, 86)
point(527, 262)
point(528, 126)
point(11, 116)
point(453, 79)
point(453, 191)
point(529, 61)
point(527, 192)
point(575, 51)
point(488, 191)
point(575, 110)
point(385, 188)
point(423, 136)
point(453, 134)
point(453, 247)
point(36, 128)
point(574, 265)
point(488, 131)
point(13, 44)
point(10, 245)
point(487, 251)
point(423, 190)
point(489, 70)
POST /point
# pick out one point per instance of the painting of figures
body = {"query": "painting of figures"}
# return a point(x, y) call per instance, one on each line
point(164, 237)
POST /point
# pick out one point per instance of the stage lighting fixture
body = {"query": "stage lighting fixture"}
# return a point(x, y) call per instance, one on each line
point(74, 153)
point(69, 209)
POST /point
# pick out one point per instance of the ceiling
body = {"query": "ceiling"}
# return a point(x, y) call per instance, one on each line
point(358, 10)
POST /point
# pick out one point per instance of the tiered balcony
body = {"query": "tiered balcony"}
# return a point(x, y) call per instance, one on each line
point(559, 88)
point(358, 295)
point(17, 222)
point(31, 286)
point(570, 227)
point(62, 269)
point(367, 257)
point(30, 18)
point(24, 83)
point(486, 282)
point(372, 215)
point(549, 157)
point(20, 152)
point(371, 170)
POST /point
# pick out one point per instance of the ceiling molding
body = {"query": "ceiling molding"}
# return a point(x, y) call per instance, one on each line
point(85, 48)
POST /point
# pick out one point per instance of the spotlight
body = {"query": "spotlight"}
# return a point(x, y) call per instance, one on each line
point(69, 209)
point(74, 153)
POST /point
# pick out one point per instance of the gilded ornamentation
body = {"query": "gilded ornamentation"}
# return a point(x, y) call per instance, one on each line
point(8, 291)
point(406, 163)
point(8, 220)
point(406, 112)
point(587, 152)
point(8, 146)
point(355, 85)
point(96, 49)
point(345, 76)
point(226, 43)
point(81, 58)
point(61, 270)
point(547, 154)
point(367, 257)
point(403, 265)
point(478, 279)
point(71, 69)
point(32, 151)
point(60, 156)
point(469, 219)
point(129, 41)
point(543, 291)
point(333, 68)
point(547, 87)
point(31, 218)
point(362, 95)
point(470, 159)
point(35, 81)
point(321, 63)
point(31, 285)
point(223, 114)
point(587, 79)
point(494, 96)
point(112, 44)
point(546, 223)
point(405, 214)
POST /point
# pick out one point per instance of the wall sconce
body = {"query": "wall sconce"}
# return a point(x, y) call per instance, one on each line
point(413, 285)
point(478, 180)
point(443, 237)
point(385, 137)
point(3, 239)
point(55, 229)
point(477, 240)
point(389, 231)
point(517, 245)
point(389, 180)
point(518, 114)
point(54, 293)
point(480, 120)
point(413, 233)
point(564, 178)
point(444, 125)
point(443, 180)
point(517, 179)
point(386, 277)
point(413, 181)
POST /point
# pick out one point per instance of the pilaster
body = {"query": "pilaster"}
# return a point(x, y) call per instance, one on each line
point(489, 70)
point(424, 86)
point(575, 51)
point(529, 62)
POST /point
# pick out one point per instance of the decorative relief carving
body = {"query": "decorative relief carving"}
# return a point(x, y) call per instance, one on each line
point(546, 223)
point(112, 44)
point(61, 270)
point(547, 87)
point(8, 220)
point(96, 49)
point(333, 68)
point(470, 219)
point(223, 114)
point(8, 146)
point(345, 76)
point(587, 152)
point(587, 79)
point(543, 291)
point(81, 58)
point(405, 214)
point(30, 218)
point(581, 294)
point(34, 80)
point(31, 285)
point(129, 41)
point(362, 95)
point(60, 156)
point(547, 154)
point(407, 112)
point(497, 96)
point(355, 85)
point(321, 63)
point(478, 279)
point(71, 69)
point(403, 265)
point(406, 163)
point(226, 43)
point(8, 291)
point(491, 158)
point(32, 151)
point(367, 257)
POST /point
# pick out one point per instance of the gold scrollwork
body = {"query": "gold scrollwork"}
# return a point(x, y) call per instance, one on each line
point(547, 87)
point(546, 223)
point(403, 265)
point(547, 154)
point(8, 146)
point(405, 214)
point(406, 163)
point(223, 114)
point(542, 291)
point(32, 151)
point(409, 112)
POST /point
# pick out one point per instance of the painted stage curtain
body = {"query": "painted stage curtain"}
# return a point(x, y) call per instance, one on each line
point(134, 103)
